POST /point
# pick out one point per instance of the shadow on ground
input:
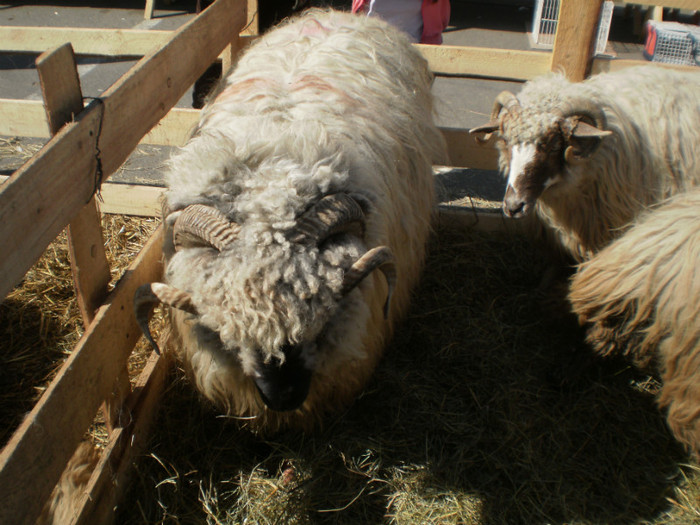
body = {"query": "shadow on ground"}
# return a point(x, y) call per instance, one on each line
point(488, 409)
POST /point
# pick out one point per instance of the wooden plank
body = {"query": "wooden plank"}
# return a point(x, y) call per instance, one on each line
point(86, 41)
point(127, 199)
point(252, 26)
point(32, 461)
point(60, 86)
point(63, 99)
point(485, 62)
point(111, 476)
point(174, 128)
point(148, 11)
point(113, 406)
point(44, 195)
point(488, 221)
point(23, 118)
point(605, 65)
point(573, 42)
point(692, 5)
point(41, 197)
point(27, 118)
point(89, 264)
point(465, 152)
point(145, 94)
point(131, 199)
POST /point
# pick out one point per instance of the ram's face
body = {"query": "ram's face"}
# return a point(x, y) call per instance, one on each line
point(537, 148)
point(273, 318)
point(531, 166)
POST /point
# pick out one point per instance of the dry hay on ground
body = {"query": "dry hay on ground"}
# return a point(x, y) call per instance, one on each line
point(488, 409)
point(40, 322)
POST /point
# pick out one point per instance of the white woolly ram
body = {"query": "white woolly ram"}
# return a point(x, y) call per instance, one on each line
point(641, 297)
point(590, 156)
point(311, 168)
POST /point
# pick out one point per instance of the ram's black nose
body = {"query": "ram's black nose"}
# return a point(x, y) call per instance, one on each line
point(284, 387)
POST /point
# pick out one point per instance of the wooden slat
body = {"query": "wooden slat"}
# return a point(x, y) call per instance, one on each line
point(23, 118)
point(680, 4)
point(465, 152)
point(148, 11)
point(488, 221)
point(145, 95)
point(63, 99)
point(60, 86)
point(44, 195)
point(86, 41)
point(605, 65)
point(110, 479)
point(127, 199)
point(131, 199)
point(174, 128)
point(33, 459)
point(252, 26)
point(573, 42)
point(485, 62)
point(27, 118)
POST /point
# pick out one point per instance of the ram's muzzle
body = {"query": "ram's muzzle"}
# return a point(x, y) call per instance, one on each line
point(283, 386)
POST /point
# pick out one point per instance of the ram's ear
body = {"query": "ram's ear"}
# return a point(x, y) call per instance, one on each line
point(583, 140)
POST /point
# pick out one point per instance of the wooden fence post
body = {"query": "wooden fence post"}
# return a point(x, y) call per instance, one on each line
point(63, 99)
point(574, 41)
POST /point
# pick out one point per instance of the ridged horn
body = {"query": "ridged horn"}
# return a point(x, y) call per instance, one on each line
point(504, 100)
point(579, 150)
point(333, 214)
point(200, 225)
point(583, 108)
point(377, 258)
point(150, 294)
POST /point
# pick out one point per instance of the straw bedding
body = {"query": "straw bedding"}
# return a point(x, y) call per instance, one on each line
point(488, 408)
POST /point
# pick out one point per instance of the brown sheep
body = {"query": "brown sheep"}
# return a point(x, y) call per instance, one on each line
point(640, 297)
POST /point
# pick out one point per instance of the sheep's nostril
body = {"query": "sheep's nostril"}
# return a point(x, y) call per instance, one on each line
point(513, 208)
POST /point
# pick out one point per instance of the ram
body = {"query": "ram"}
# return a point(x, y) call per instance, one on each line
point(640, 297)
point(310, 169)
point(588, 157)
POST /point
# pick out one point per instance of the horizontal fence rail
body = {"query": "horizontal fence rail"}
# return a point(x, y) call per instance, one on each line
point(38, 201)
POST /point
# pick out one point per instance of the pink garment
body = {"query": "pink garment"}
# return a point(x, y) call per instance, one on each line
point(436, 17)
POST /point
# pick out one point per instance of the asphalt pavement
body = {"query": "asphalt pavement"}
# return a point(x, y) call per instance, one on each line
point(461, 102)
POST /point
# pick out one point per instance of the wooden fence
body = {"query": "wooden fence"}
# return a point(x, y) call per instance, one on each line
point(56, 188)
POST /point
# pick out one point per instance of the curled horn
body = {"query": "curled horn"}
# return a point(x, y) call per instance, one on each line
point(333, 214)
point(150, 294)
point(583, 108)
point(505, 100)
point(379, 257)
point(581, 129)
point(201, 225)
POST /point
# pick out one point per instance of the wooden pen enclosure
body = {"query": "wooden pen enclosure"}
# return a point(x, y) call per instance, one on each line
point(57, 187)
